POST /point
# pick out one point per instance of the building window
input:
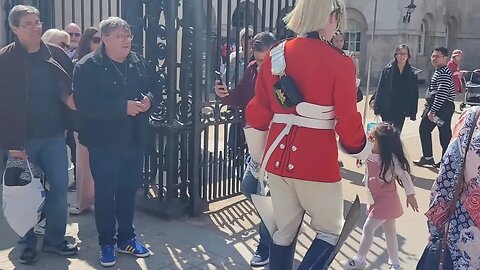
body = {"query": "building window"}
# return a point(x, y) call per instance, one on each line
point(421, 40)
point(353, 36)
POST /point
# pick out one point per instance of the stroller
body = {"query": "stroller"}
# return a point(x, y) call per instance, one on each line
point(471, 81)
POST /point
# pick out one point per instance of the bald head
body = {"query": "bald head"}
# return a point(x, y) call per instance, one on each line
point(73, 26)
point(75, 34)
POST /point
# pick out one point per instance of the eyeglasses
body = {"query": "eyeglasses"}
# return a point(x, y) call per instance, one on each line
point(31, 26)
point(75, 34)
point(96, 40)
point(125, 37)
point(438, 56)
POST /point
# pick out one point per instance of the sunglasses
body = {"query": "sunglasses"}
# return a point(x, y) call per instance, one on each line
point(75, 34)
point(96, 40)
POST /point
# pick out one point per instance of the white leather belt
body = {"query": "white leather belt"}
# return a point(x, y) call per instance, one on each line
point(300, 121)
point(294, 120)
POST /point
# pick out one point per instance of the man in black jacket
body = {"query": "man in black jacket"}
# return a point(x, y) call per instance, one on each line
point(111, 91)
point(35, 87)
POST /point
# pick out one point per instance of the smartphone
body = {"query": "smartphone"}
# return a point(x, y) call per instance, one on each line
point(218, 76)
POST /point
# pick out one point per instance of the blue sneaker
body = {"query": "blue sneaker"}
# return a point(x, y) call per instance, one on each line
point(107, 255)
point(133, 247)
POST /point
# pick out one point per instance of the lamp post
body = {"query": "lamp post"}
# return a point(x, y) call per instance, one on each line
point(369, 74)
point(410, 9)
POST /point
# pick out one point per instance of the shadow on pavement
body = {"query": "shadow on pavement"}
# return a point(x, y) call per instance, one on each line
point(188, 243)
point(356, 178)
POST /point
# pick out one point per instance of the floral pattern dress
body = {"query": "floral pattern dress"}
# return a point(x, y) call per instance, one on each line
point(464, 230)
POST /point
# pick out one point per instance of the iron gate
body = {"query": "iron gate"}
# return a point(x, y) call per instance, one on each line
point(197, 154)
point(211, 152)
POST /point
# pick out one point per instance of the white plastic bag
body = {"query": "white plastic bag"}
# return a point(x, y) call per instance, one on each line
point(22, 205)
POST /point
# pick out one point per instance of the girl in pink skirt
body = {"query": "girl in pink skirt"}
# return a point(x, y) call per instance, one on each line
point(386, 167)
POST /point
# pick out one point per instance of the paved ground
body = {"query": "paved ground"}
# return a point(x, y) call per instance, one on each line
point(225, 237)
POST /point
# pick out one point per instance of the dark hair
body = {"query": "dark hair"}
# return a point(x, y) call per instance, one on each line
point(84, 44)
point(442, 50)
point(391, 146)
point(263, 41)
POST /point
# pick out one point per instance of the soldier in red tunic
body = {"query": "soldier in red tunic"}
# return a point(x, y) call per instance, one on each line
point(304, 95)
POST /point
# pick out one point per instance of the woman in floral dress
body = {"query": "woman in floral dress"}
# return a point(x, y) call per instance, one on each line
point(464, 229)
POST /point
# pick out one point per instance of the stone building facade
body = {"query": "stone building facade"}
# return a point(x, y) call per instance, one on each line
point(433, 23)
point(450, 23)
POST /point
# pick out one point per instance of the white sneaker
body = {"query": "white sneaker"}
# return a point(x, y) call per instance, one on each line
point(394, 267)
point(73, 210)
point(353, 265)
point(40, 227)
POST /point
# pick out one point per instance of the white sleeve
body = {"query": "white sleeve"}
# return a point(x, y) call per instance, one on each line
point(405, 177)
point(362, 155)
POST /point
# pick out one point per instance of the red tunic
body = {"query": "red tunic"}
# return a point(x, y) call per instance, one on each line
point(325, 77)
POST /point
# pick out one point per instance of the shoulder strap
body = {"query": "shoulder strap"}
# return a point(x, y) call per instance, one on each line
point(461, 177)
point(458, 191)
point(277, 56)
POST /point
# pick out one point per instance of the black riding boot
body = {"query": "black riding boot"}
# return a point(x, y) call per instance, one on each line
point(281, 257)
point(317, 256)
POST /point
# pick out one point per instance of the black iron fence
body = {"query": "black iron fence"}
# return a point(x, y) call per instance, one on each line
point(197, 151)
point(219, 149)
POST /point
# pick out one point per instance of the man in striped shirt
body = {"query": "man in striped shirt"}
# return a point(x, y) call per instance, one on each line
point(439, 109)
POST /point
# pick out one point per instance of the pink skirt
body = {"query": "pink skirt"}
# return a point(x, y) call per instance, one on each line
point(386, 207)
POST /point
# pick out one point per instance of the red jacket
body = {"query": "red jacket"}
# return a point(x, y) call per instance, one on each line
point(325, 76)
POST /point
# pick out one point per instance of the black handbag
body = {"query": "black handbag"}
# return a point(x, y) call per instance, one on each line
point(436, 255)
point(359, 94)
point(287, 92)
point(430, 259)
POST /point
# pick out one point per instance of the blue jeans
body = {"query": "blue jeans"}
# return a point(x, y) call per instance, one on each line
point(250, 186)
point(117, 174)
point(50, 155)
